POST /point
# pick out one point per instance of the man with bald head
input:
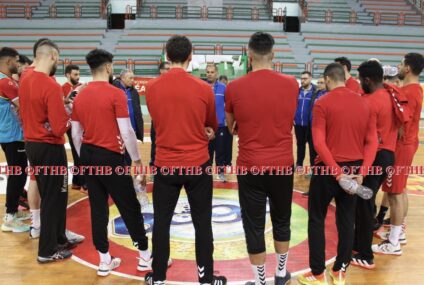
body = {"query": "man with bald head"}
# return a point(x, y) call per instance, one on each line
point(126, 83)
point(45, 122)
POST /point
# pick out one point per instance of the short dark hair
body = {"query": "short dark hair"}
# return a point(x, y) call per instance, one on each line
point(8, 52)
point(335, 72)
point(162, 64)
point(48, 43)
point(23, 59)
point(223, 77)
point(178, 49)
point(415, 61)
point(307, 72)
point(70, 67)
point(98, 57)
point(261, 43)
point(371, 69)
point(345, 62)
point(37, 43)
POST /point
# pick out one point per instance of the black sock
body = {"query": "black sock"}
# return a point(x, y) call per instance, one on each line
point(381, 214)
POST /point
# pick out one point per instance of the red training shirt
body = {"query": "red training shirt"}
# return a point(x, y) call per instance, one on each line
point(383, 115)
point(414, 94)
point(181, 106)
point(42, 109)
point(8, 89)
point(354, 85)
point(342, 129)
point(96, 108)
point(264, 104)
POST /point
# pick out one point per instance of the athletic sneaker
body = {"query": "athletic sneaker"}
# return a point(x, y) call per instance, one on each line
point(34, 233)
point(105, 269)
point(221, 177)
point(75, 187)
point(311, 279)
point(386, 247)
point(12, 224)
point(148, 278)
point(22, 216)
point(57, 256)
point(282, 280)
point(384, 235)
point(146, 265)
point(357, 260)
point(339, 277)
point(74, 237)
point(218, 280)
point(377, 225)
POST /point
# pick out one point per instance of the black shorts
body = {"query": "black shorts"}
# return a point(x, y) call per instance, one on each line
point(253, 193)
point(384, 158)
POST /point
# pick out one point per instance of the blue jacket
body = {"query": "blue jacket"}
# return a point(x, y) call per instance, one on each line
point(314, 99)
point(219, 91)
point(303, 111)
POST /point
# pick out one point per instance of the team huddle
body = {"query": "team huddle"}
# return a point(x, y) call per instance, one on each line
point(351, 128)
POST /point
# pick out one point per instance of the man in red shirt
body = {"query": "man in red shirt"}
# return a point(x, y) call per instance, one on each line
point(268, 97)
point(72, 73)
point(379, 100)
point(44, 123)
point(182, 107)
point(409, 71)
point(342, 140)
point(11, 140)
point(100, 122)
point(351, 82)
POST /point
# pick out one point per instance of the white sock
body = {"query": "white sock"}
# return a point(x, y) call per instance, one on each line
point(105, 257)
point(281, 264)
point(259, 272)
point(145, 254)
point(35, 218)
point(395, 232)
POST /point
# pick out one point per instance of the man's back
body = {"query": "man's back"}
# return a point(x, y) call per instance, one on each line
point(264, 103)
point(414, 94)
point(344, 117)
point(181, 106)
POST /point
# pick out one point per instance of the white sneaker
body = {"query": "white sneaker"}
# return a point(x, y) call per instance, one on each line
point(146, 265)
point(34, 233)
point(384, 235)
point(105, 269)
point(12, 224)
point(22, 216)
point(386, 247)
point(74, 237)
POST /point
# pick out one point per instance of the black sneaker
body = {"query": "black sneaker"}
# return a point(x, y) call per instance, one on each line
point(148, 278)
point(219, 280)
point(58, 256)
point(358, 260)
point(67, 245)
point(283, 280)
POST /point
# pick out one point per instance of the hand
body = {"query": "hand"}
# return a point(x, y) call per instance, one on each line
point(210, 134)
point(80, 87)
point(142, 179)
point(234, 129)
point(359, 178)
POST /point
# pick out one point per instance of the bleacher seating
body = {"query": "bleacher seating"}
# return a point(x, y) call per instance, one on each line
point(341, 12)
point(390, 11)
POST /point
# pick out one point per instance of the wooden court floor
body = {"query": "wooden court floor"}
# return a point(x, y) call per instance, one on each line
point(18, 264)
